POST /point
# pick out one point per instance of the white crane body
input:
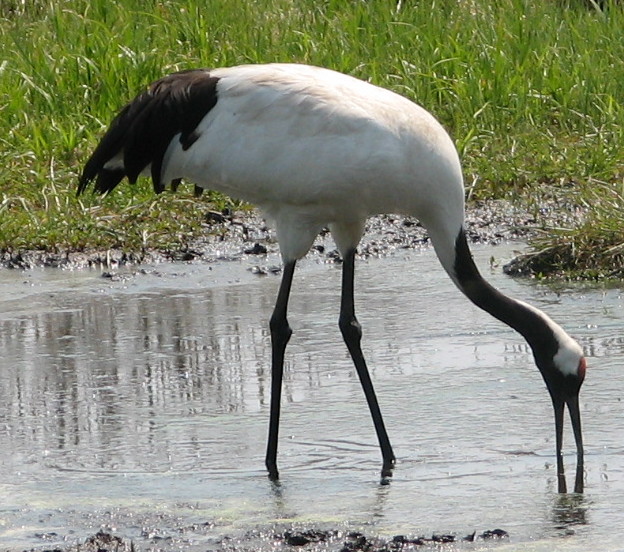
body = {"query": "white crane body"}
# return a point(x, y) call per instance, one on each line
point(314, 148)
point(263, 140)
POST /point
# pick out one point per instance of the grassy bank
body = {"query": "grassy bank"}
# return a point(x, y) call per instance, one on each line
point(590, 249)
point(531, 91)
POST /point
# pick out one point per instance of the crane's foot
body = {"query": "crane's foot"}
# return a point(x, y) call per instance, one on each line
point(386, 472)
point(273, 473)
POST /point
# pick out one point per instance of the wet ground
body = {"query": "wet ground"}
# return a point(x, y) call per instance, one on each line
point(136, 405)
point(229, 235)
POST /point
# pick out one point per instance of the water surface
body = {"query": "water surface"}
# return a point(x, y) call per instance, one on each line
point(140, 406)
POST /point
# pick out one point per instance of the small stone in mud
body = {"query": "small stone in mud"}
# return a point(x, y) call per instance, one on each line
point(257, 249)
point(301, 538)
point(443, 538)
point(215, 216)
point(494, 534)
point(190, 255)
point(296, 540)
point(334, 256)
point(105, 542)
point(402, 539)
point(122, 277)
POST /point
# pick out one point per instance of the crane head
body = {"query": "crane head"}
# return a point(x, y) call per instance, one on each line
point(564, 374)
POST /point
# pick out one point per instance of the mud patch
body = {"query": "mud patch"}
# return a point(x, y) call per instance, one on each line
point(304, 539)
point(229, 236)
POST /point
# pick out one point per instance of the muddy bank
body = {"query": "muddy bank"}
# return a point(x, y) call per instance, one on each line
point(308, 540)
point(230, 235)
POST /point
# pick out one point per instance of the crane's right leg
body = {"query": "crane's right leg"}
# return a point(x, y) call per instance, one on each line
point(352, 334)
point(280, 334)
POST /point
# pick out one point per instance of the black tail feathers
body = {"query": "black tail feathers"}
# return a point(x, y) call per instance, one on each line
point(141, 133)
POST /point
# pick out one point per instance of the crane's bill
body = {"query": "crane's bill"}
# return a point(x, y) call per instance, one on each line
point(575, 418)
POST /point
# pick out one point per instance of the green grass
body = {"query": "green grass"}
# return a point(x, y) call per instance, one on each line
point(531, 91)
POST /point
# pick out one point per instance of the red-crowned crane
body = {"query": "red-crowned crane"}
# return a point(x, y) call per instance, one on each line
point(314, 148)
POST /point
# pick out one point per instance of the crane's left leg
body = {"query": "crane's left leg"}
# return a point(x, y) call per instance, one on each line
point(280, 335)
point(352, 334)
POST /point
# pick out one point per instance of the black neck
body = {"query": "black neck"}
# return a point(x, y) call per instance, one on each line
point(526, 321)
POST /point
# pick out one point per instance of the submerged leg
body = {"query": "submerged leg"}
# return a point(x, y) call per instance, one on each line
point(352, 334)
point(280, 334)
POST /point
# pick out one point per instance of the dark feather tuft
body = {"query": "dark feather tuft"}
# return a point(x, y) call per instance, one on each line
point(140, 134)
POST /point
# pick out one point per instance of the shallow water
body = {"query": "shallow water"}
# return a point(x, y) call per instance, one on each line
point(140, 405)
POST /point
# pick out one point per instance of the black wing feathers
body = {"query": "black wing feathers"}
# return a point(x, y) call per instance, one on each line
point(141, 132)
